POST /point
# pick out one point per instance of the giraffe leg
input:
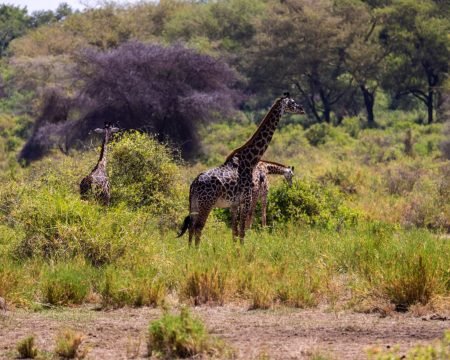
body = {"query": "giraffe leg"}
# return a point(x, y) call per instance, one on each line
point(251, 214)
point(191, 228)
point(245, 209)
point(200, 224)
point(234, 220)
point(264, 208)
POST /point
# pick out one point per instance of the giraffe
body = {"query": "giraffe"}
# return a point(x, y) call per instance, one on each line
point(247, 157)
point(234, 178)
point(97, 181)
point(261, 186)
point(215, 188)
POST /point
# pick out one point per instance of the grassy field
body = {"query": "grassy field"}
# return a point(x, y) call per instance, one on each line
point(363, 227)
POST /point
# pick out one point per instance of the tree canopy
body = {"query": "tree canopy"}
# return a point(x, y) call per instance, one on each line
point(167, 91)
point(338, 56)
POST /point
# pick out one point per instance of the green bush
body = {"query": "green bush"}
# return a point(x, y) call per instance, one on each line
point(57, 224)
point(310, 203)
point(318, 134)
point(26, 348)
point(352, 126)
point(181, 336)
point(427, 205)
point(122, 287)
point(65, 283)
point(145, 174)
point(68, 345)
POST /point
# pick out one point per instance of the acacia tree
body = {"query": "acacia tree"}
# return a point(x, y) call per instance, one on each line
point(13, 23)
point(416, 36)
point(302, 44)
point(364, 56)
point(167, 91)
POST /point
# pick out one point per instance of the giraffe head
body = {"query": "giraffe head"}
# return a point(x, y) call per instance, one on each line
point(107, 128)
point(290, 106)
point(289, 174)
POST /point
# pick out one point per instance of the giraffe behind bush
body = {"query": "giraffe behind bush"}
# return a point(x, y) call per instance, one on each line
point(97, 182)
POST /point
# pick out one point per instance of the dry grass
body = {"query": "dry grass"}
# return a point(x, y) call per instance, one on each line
point(68, 344)
point(26, 348)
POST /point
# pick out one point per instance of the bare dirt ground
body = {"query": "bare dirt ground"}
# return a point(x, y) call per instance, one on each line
point(274, 334)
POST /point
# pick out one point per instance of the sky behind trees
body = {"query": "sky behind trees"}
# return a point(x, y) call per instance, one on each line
point(36, 5)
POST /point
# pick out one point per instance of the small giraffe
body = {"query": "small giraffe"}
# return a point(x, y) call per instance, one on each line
point(261, 186)
point(215, 188)
point(97, 181)
point(248, 156)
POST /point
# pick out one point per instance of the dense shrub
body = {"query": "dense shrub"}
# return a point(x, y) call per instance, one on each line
point(400, 179)
point(347, 180)
point(182, 336)
point(144, 173)
point(26, 348)
point(445, 144)
point(310, 203)
point(68, 345)
point(139, 287)
point(318, 134)
point(65, 283)
point(57, 224)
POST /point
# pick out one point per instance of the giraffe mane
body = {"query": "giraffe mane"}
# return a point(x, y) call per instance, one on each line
point(230, 156)
point(273, 163)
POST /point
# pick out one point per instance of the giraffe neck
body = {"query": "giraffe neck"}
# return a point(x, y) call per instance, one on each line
point(276, 169)
point(254, 148)
point(102, 159)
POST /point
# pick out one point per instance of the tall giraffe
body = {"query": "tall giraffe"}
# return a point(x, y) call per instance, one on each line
point(261, 186)
point(231, 183)
point(97, 181)
point(215, 188)
point(248, 155)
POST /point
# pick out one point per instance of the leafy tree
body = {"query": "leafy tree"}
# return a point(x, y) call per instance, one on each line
point(302, 44)
point(42, 17)
point(13, 23)
point(167, 91)
point(226, 26)
point(364, 57)
point(63, 10)
point(416, 36)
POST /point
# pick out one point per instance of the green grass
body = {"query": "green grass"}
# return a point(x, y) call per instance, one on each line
point(182, 336)
point(350, 224)
point(68, 345)
point(26, 348)
point(439, 350)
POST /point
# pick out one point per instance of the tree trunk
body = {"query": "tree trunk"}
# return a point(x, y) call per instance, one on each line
point(369, 101)
point(429, 104)
point(326, 106)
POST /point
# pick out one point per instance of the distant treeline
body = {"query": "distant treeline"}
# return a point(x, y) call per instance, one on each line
point(335, 56)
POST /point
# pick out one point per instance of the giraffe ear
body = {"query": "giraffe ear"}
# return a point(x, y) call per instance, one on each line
point(99, 131)
point(114, 129)
point(292, 168)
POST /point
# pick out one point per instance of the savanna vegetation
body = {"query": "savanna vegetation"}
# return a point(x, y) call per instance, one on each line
point(365, 225)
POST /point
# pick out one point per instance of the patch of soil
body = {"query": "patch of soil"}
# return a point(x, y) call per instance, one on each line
point(277, 334)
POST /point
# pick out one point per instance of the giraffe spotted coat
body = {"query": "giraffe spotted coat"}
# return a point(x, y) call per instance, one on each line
point(97, 182)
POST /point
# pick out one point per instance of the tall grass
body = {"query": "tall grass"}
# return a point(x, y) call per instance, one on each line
point(57, 249)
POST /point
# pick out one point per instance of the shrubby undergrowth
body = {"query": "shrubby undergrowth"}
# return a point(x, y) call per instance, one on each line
point(352, 219)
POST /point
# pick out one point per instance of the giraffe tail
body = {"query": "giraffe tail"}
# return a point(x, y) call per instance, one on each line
point(185, 226)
